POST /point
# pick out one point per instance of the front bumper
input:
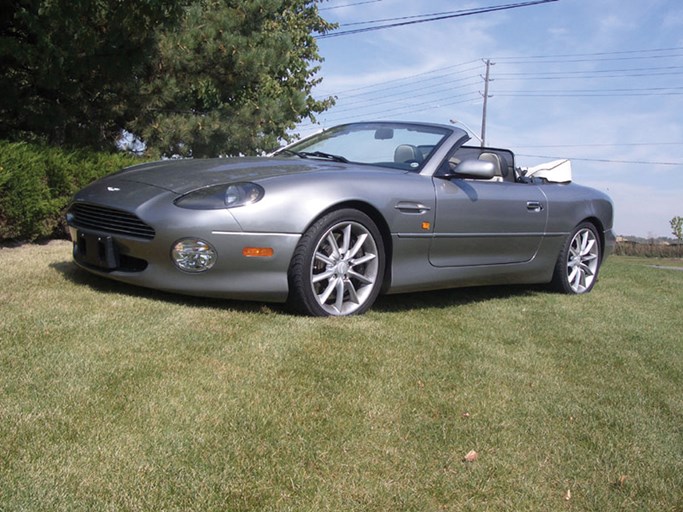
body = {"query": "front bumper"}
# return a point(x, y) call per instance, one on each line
point(147, 262)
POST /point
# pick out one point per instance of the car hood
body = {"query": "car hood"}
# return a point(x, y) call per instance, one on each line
point(181, 176)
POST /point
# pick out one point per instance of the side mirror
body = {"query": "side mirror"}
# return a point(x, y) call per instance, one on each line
point(476, 169)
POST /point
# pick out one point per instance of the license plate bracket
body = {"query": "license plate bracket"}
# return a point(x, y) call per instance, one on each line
point(96, 250)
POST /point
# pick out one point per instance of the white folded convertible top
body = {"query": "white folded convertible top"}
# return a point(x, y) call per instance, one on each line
point(557, 171)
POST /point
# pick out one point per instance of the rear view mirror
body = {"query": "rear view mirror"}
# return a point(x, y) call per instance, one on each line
point(384, 134)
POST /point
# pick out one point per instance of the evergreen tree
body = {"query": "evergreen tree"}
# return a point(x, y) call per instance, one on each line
point(232, 77)
point(189, 77)
point(71, 69)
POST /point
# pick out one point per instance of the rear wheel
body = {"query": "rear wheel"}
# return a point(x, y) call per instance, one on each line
point(338, 266)
point(576, 270)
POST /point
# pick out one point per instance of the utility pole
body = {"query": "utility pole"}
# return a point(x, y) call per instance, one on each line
point(487, 79)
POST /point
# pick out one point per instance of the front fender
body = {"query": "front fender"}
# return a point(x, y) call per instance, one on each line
point(290, 204)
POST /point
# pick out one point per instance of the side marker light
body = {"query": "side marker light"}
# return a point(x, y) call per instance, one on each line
point(257, 252)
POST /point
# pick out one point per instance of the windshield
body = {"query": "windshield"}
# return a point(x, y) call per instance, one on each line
point(395, 145)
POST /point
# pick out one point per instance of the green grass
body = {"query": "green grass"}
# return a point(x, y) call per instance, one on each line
point(118, 398)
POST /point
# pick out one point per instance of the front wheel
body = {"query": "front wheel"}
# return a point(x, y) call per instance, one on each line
point(338, 266)
point(576, 270)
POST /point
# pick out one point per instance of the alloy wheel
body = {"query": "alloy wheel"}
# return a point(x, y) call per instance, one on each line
point(345, 268)
point(582, 260)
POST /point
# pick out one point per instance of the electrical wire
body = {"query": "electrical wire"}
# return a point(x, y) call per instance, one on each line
point(623, 75)
point(434, 17)
point(627, 144)
point(533, 75)
point(602, 160)
point(582, 95)
point(437, 87)
point(406, 78)
point(347, 5)
point(418, 85)
point(621, 52)
point(606, 59)
point(385, 97)
point(398, 112)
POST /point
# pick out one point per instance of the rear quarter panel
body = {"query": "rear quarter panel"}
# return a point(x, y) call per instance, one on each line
point(570, 204)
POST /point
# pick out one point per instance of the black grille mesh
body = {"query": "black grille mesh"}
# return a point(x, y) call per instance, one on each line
point(109, 220)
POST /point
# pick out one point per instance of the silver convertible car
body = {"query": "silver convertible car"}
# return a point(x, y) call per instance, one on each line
point(330, 222)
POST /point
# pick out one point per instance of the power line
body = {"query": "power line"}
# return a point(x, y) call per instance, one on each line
point(606, 59)
point(444, 81)
point(426, 105)
point(347, 5)
point(408, 84)
point(403, 18)
point(604, 90)
point(409, 77)
point(602, 160)
point(532, 74)
point(434, 17)
point(522, 94)
point(399, 96)
point(384, 96)
point(594, 54)
point(628, 144)
point(399, 111)
point(646, 91)
point(623, 75)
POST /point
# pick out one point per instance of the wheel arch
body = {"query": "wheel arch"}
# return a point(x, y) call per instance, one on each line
point(379, 221)
point(601, 232)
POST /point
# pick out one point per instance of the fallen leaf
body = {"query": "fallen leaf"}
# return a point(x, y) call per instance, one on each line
point(471, 456)
point(622, 480)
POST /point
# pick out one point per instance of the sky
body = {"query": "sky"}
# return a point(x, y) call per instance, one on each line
point(596, 81)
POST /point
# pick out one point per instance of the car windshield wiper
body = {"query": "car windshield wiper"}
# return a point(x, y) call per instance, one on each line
point(317, 154)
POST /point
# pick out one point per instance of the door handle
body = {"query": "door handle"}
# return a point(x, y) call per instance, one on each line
point(411, 207)
point(534, 206)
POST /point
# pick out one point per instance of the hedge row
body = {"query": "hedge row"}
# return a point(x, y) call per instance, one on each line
point(37, 183)
point(648, 250)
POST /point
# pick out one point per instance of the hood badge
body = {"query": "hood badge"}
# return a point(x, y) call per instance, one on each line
point(113, 189)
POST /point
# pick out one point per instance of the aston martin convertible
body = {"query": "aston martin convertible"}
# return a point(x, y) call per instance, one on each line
point(330, 222)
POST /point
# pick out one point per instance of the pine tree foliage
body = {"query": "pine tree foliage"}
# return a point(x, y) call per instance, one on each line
point(232, 77)
point(71, 68)
point(192, 77)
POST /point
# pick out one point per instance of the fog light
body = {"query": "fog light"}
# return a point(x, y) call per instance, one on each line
point(193, 255)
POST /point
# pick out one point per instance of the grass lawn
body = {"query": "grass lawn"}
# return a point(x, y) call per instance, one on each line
point(119, 398)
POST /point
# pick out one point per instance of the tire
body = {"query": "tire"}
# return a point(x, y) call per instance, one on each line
point(338, 267)
point(576, 270)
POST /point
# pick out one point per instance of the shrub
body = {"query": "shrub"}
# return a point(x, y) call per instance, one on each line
point(37, 183)
point(647, 250)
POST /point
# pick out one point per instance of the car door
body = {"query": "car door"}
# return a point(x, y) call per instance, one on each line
point(481, 222)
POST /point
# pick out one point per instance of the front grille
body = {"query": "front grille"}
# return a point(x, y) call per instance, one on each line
point(108, 220)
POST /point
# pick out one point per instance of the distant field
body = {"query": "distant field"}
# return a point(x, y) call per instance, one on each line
point(119, 398)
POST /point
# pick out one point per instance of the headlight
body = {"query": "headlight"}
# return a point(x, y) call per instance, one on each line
point(193, 255)
point(216, 197)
